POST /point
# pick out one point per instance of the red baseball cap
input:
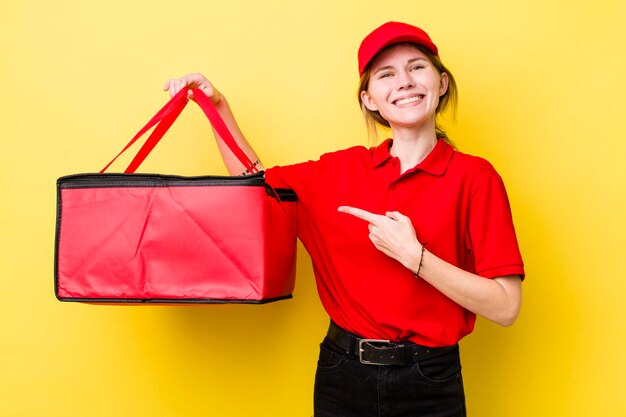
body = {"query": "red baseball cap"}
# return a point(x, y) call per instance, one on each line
point(388, 34)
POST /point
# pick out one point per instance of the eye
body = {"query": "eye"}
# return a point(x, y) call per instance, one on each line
point(384, 75)
point(416, 67)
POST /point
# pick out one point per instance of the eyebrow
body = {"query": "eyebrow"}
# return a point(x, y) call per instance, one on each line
point(410, 61)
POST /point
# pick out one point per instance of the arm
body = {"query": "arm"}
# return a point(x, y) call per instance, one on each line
point(199, 81)
point(498, 299)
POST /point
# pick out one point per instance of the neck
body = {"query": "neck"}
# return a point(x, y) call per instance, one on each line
point(411, 146)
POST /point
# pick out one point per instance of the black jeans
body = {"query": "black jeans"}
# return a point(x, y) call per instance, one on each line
point(344, 387)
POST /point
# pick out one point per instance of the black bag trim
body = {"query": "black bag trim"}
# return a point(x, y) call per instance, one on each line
point(158, 180)
point(283, 194)
point(155, 180)
point(173, 300)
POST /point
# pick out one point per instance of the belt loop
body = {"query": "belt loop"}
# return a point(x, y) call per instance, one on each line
point(335, 333)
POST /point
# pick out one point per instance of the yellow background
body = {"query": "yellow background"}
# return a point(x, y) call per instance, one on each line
point(541, 96)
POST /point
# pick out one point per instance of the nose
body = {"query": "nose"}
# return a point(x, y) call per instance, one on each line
point(404, 80)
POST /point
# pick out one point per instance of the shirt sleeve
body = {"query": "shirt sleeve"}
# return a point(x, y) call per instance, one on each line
point(310, 179)
point(298, 177)
point(491, 232)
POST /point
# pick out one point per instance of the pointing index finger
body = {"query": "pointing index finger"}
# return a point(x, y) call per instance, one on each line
point(360, 213)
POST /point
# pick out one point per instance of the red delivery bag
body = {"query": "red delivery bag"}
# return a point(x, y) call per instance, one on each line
point(150, 238)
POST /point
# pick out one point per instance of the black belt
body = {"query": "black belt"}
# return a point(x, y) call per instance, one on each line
point(382, 352)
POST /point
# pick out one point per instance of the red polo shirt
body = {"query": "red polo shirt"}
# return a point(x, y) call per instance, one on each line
point(459, 208)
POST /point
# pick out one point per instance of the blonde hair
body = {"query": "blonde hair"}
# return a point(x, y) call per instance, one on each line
point(448, 99)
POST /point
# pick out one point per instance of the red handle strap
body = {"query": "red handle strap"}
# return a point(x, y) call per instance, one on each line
point(167, 116)
point(222, 130)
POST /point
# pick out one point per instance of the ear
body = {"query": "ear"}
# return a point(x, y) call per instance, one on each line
point(443, 84)
point(367, 100)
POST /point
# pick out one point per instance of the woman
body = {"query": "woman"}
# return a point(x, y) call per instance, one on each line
point(409, 239)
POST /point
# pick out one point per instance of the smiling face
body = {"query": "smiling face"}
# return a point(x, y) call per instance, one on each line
point(404, 87)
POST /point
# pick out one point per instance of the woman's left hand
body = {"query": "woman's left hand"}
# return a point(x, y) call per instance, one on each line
point(392, 234)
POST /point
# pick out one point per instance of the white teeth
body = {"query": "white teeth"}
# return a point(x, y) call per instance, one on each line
point(408, 100)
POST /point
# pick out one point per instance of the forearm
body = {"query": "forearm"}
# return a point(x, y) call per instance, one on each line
point(497, 299)
point(232, 163)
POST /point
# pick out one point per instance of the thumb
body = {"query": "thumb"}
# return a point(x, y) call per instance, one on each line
point(394, 215)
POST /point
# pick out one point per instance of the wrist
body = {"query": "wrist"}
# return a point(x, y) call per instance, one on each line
point(219, 101)
point(411, 256)
point(419, 262)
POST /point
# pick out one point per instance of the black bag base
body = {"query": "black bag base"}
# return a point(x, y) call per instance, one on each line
point(170, 301)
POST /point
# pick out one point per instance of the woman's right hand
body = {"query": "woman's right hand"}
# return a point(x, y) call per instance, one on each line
point(195, 80)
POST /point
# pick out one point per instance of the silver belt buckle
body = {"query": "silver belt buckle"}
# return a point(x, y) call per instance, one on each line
point(369, 342)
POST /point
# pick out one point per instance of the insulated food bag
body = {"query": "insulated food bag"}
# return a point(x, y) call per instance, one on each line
point(151, 238)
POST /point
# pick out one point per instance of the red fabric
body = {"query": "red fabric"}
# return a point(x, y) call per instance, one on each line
point(178, 242)
point(459, 208)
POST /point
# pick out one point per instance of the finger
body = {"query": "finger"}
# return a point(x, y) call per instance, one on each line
point(195, 79)
point(376, 231)
point(392, 215)
point(206, 89)
point(395, 215)
point(380, 245)
point(182, 83)
point(173, 88)
point(361, 214)
point(375, 240)
point(166, 86)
